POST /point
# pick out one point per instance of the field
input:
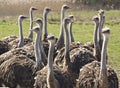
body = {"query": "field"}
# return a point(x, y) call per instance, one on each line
point(83, 28)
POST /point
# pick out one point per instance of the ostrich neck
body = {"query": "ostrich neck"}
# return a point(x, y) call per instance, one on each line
point(31, 25)
point(100, 28)
point(50, 57)
point(37, 50)
point(103, 21)
point(96, 44)
point(41, 26)
point(103, 53)
point(51, 81)
point(71, 34)
point(45, 24)
point(62, 17)
point(31, 20)
point(61, 35)
point(21, 41)
point(62, 14)
point(60, 42)
point(103, 69)
point(67, 56)
point(43, 55)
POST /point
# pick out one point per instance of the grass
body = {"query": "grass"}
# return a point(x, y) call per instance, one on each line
point(83, 29)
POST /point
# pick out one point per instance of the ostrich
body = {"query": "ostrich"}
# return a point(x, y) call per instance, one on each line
point(20, 42)
point(60, 42)
point(45, 13)
point(19, 70)
point(52, 76)
point(11, 42)
point(70, 31)
point(31, 21)
point(97, 74)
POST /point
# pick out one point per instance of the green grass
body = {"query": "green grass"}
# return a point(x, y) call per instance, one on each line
point(83, 29)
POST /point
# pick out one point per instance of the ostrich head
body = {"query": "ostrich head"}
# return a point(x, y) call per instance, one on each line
point(66, 20)
point(95, 19)
point(22, 17)
point(106, 32)
point(33, 8)
point(38, 21)
point(65, 7)
point(72, 18)
point(51, 37)
point(101, 12)
point(47, 9)
point(36, 29)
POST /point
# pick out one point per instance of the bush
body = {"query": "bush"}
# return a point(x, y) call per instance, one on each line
point(109, 4)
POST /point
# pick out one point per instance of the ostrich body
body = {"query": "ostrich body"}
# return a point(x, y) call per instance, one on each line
point(60, 42)
point(4, 47)
point(31, 21)
point(9, 38)
point(17, 71)
point(45, 13)
point(16, 52)
point(9, 69)
point(97, 74)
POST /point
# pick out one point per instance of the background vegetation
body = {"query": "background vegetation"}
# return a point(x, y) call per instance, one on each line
point(82, 28)
point(108, 4)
